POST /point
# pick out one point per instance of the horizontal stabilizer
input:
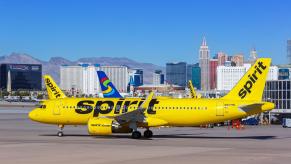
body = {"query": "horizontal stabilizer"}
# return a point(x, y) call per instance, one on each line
point(250, 107)
point(257, 107)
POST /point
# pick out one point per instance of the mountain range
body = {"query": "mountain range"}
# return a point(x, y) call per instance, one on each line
point(52, 67)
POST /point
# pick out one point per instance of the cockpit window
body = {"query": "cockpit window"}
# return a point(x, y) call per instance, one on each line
point(41, 106)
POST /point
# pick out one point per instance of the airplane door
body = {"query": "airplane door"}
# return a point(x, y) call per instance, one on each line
point(57, 108)
point(220, 109)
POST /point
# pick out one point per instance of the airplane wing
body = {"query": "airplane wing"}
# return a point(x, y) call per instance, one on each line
point(135, 115)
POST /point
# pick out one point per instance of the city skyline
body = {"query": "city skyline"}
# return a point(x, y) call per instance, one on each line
point(166, 31)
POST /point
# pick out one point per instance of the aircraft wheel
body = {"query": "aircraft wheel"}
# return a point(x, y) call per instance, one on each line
point(136, 135)
point(148, 134)
point(60, 134)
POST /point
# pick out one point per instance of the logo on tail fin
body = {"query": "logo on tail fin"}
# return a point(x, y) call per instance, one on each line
point(253, 77)
point(52, 87)
point(108, 91)
point(107, 87)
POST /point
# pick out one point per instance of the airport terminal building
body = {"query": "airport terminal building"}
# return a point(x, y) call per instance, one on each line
point(15, 77)
point(279, 92)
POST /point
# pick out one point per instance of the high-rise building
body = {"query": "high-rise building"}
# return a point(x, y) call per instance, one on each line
point(227, 77)
point(284, 74)
point(79, 79)
point(189, 72)
point(213, 66)
point(176, 73)
point(158, 77)
point(289, 51)
point(119, 76)
point(229, 58)
point(83, 79)
point(221, 58)
point(253, 55)
point(21, 77)
point(204, 58)
point(279, 93)
point(136, 76)
point(238, 59)
point(273, 73)
point(196, 76)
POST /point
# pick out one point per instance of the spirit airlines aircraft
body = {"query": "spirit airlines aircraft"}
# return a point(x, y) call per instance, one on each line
point(104, 116)
point(108, 89)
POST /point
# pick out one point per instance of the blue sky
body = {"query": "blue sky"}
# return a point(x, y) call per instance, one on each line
point(156, 31)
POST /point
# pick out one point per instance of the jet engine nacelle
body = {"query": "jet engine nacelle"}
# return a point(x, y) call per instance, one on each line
point(106, 126)
point(100, 126)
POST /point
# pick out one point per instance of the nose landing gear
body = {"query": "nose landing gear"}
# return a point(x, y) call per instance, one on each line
point(60, 132)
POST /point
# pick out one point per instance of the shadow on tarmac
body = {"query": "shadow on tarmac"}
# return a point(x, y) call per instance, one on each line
point(185, 136)
point(217, 137)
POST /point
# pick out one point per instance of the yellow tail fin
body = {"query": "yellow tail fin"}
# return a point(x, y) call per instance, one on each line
point(251, 85)
point(52, 88)
point(192, 90)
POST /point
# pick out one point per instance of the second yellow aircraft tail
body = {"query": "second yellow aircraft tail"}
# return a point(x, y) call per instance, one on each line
point(251, 85)
point(192, 90)
point(52, 88)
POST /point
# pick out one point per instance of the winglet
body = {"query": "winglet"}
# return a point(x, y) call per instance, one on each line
point(52, 88)
point(146, 103)
point(107, 87)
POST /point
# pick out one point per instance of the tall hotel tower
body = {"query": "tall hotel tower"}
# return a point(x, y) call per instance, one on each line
point(204, 58)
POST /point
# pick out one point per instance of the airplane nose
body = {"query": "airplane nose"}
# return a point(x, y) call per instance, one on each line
point(32, 115)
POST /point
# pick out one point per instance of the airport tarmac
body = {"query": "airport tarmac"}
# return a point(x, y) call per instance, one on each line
point(24, 141)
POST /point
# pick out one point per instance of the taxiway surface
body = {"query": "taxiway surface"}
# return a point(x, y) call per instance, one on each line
point(24, 141)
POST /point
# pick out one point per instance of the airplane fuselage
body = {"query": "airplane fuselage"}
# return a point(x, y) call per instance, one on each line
point(160, 112)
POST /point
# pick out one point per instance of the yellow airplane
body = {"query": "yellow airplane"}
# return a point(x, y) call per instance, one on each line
point(104, 116)
point(193, 93)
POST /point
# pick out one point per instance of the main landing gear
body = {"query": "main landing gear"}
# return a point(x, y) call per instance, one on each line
point(137, 135)
point(60, 132)
point(148, 134)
